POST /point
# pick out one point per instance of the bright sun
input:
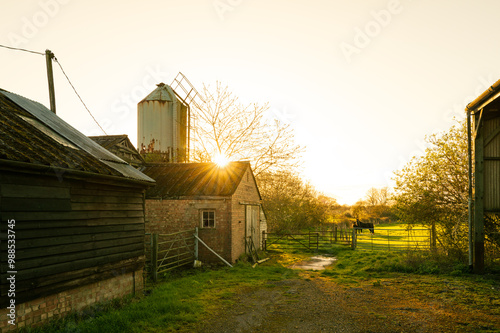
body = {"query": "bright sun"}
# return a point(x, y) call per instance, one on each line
point(221, 160)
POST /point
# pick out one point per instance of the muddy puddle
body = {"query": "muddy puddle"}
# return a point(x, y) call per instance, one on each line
point(315, 263)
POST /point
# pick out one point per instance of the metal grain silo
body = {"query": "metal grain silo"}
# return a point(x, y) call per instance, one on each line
point(162, 126)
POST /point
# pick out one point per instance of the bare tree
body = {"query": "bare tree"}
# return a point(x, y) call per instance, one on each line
point(377, 197)
point(225, 127)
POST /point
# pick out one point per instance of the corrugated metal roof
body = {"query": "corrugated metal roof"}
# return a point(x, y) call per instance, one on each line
point(59, 126)
point(31, 133)
point(163, 92)
point(174, 180)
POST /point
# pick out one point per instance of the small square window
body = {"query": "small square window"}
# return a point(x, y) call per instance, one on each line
point(208, 219)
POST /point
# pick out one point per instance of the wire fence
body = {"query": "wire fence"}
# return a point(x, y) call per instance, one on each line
point(388, 239)
point(392, 239)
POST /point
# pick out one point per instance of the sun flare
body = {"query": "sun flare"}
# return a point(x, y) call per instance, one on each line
point(221, 160)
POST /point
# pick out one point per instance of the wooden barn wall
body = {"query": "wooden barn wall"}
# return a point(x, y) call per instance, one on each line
point(68, 233)
point(492, 165)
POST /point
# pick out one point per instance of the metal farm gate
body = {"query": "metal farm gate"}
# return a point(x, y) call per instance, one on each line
point(308, 241)
point(165, 252)
point(392, 239)
point(388, 239)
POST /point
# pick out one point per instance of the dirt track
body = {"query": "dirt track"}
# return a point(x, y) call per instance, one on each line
point(317, 304)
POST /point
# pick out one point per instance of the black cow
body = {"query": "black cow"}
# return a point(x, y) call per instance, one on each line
point(364, 225)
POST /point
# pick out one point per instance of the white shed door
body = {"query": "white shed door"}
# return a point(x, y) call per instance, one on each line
point(252, 224)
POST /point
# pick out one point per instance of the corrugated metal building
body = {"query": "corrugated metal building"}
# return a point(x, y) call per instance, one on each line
point(223, 202)
point(77, 212)
point(162, 126)
point(484, 131)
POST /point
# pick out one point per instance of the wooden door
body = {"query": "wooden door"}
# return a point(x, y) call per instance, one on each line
point(253, 224)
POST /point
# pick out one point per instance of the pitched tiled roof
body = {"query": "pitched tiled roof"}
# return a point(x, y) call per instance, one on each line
point(108, 141)
point(30, 133)
point(174, 180)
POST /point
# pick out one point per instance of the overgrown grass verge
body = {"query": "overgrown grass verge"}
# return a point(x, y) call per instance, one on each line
point(423, 274)
point(181, 299)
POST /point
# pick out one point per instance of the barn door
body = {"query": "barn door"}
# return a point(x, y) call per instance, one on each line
point(253, 224)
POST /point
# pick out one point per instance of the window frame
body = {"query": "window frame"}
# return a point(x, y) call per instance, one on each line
point(202, 219)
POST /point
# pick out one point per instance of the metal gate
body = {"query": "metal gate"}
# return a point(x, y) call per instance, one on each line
point(392, 239)
point(165, 252)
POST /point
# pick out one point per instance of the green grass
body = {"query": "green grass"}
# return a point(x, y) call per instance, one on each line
point(394, 237)
point(179, 300)
point(364, 264)
point(182, 299)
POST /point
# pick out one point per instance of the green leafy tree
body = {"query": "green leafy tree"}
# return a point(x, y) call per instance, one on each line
point(432, 189)
point(291, 204)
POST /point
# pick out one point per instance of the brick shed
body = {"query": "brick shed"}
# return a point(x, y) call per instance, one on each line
point(223, 202)
point(72, 218)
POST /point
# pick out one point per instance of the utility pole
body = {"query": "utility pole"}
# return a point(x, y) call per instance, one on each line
point(50, 75)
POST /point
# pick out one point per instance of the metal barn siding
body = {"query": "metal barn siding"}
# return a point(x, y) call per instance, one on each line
point(162, 125)
point(485, 133)
point(491, 165)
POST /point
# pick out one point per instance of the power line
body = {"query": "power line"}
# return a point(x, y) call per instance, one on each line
point(67, 78)
point(24, 50)
point(81, 100)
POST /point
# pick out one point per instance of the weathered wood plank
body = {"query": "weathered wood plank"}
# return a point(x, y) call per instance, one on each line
point(34, 205)
point(24, 225)
point(62, 258)
point(30, 191)
point(106, 199)
point(69, 239)
point(479, 200)
point(105, 206)
point(68, 248)
point(7, 177)
point(122, 186)
point(103, 192)
point(77, 215)
point(38, 272)
point(43, 286)
point(68, 230)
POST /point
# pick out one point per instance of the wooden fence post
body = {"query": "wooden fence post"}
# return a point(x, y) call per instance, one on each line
point(154, 257)
point(353, 243)
point(433, 236)
point(335, 234)
point(196, 243)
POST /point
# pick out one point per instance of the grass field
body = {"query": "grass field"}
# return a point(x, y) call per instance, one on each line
point(179, 299)
point(184, 298)
point(391, 237)
point(394, 237)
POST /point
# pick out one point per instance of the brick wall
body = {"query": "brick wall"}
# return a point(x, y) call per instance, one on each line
point(38, 311)
point(227, 238)
point(170, 216)
point(246, 192)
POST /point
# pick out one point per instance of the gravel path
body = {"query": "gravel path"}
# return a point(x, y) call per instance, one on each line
point(317, 304)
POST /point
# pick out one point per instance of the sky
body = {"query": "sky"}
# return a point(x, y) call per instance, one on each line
point(361, 82)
